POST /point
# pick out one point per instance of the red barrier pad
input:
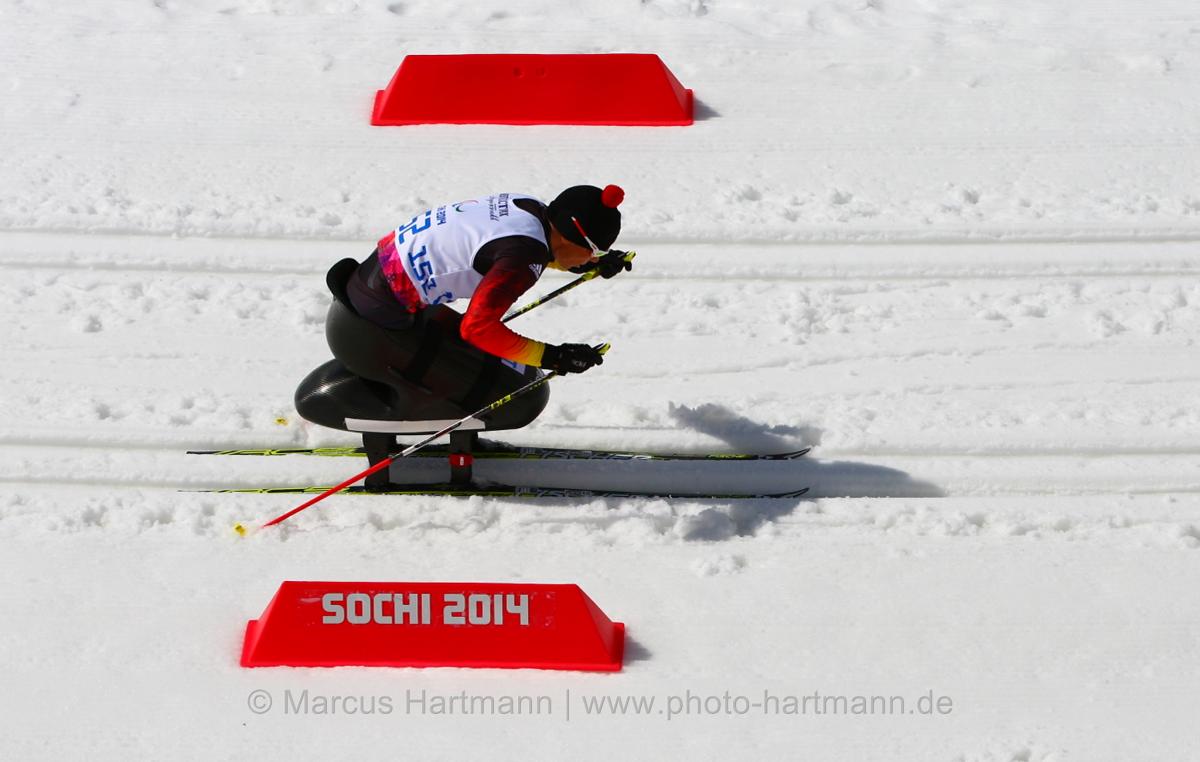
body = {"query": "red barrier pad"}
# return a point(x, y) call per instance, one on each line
point(596, 89)
point(423, 624)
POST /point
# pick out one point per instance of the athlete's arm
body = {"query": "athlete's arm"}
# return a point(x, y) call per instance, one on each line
point(509, 274)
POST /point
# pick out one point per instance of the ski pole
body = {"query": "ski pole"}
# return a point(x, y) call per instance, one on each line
point(242, 529)
point(590, 275)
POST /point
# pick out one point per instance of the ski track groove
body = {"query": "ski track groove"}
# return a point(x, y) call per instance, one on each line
point(83, 267)
point(814, 236)
point(817, 492)
point(181, 447)
point(885, 473)
point(211, 256)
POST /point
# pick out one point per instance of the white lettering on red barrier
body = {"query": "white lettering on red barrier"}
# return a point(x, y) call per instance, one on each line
point(413, 608)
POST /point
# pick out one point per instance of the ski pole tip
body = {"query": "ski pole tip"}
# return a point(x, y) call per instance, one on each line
point(246, 530)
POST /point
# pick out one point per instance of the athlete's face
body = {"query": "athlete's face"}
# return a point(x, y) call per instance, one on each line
point(568, 254)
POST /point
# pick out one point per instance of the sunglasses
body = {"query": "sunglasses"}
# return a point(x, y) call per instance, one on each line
point(595, 249)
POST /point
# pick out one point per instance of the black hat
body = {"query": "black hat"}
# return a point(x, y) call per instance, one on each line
point(595, 210)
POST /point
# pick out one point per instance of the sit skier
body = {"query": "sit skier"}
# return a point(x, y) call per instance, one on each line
point(490, 250)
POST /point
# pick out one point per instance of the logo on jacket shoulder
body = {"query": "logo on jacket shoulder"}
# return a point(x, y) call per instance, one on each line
point(537, 270)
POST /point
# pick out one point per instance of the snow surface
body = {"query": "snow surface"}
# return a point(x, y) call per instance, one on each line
point(952, 245)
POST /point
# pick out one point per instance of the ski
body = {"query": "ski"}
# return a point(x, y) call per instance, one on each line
point(501, 490)
point(495, 451)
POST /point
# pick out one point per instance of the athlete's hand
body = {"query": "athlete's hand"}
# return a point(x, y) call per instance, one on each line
point(613, 263)
point(570, 358)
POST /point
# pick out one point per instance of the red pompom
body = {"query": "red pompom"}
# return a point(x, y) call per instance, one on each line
point(612, 196)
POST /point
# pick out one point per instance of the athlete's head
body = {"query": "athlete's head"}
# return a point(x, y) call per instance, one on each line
point(587, 221)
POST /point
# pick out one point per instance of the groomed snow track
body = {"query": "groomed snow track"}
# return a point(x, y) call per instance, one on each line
point(917, 370)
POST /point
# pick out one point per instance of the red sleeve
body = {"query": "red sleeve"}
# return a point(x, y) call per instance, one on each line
point(504, 283)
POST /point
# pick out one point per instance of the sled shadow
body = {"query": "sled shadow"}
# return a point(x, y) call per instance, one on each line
point(824, 478)
point(741, 433)
point(689, 481)
point(695, 517)
point(841, 478)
